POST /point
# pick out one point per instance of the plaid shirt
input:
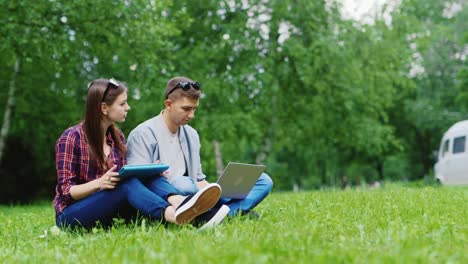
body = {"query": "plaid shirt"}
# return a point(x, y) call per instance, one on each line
point(74, 165)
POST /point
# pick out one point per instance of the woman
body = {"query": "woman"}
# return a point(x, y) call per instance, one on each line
point(88, 158)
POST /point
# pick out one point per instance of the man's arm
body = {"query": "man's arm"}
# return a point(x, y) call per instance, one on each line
point(199, 175)
point(141, 148)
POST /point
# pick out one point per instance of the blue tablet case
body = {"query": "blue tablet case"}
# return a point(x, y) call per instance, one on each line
point(144, 170)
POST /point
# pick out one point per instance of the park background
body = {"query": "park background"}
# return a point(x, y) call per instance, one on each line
point(296, 85)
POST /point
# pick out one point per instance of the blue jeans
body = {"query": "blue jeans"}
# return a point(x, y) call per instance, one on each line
point(124, 201)
point(186, 186)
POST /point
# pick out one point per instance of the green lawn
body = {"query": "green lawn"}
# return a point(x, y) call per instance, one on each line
point(391, 225)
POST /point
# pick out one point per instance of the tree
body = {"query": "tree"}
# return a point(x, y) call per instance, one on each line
point(434, 40)
point(61, 49)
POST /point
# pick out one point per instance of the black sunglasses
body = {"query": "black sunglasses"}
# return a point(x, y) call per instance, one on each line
point(185, 86)
point(112, 82)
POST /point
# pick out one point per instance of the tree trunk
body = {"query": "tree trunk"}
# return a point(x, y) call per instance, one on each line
point(423, 152)
point(380, 170)
point(8, 109)
point(219, 158)
point(262, 154)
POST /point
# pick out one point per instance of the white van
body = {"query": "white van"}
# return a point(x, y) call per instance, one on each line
point(452, 160)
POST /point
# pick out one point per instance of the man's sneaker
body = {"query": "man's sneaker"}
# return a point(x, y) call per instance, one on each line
point(212, 217)
point(198, 203)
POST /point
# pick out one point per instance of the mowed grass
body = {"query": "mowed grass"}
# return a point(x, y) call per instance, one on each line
point(393, 224)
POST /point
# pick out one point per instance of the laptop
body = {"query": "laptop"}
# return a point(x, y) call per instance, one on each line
point(238, 179)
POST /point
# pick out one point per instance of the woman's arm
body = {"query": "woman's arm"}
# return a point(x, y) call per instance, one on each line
point(68, 161)
point(108, 181)
point(81, 191)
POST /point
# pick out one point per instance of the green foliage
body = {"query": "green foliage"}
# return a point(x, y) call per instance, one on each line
point(288, 84)
point(462, 77)
point(61, 49)
point(389, 225)
point(434, 40)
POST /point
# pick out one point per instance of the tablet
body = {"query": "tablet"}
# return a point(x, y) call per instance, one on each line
point(144, 170)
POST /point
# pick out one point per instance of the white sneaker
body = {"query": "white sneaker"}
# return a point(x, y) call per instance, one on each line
point(212, 217)
point(198, 203)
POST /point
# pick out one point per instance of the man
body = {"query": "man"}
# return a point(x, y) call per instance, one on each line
point(167, 138)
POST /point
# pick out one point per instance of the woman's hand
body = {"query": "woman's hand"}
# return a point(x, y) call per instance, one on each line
point(109, 180)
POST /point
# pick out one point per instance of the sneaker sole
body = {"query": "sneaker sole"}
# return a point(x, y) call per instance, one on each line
point(217, 218)
point(201, 202)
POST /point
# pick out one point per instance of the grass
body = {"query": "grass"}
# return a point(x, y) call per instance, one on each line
point(393, 224)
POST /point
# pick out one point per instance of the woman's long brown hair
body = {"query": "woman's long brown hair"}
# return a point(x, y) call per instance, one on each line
point(93, 118)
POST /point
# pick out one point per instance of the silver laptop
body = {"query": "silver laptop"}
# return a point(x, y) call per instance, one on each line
point(238, 179)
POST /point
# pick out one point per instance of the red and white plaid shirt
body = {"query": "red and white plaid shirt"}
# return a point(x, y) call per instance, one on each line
point(74, 165)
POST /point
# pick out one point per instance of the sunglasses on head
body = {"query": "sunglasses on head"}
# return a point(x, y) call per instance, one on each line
point(112, 83)
point(185, 86)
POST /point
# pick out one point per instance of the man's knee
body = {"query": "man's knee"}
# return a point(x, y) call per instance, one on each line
point(184, 185)
point(266, 182)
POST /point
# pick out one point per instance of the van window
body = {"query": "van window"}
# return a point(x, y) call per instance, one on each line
point(459, 145)
point(445, 148)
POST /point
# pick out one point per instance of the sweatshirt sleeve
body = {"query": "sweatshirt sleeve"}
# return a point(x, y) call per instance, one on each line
point(67, 155)
point(141, 148)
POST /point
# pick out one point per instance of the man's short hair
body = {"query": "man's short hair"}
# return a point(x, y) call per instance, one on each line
point(175, 94)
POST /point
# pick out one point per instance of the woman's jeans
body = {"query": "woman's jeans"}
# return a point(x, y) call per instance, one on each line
point(186, 186)
point(148, 196)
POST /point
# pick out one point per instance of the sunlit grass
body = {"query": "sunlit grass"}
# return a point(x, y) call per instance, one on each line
point(393, 224)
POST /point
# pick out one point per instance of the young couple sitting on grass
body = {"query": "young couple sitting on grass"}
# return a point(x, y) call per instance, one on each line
point(90, 154)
